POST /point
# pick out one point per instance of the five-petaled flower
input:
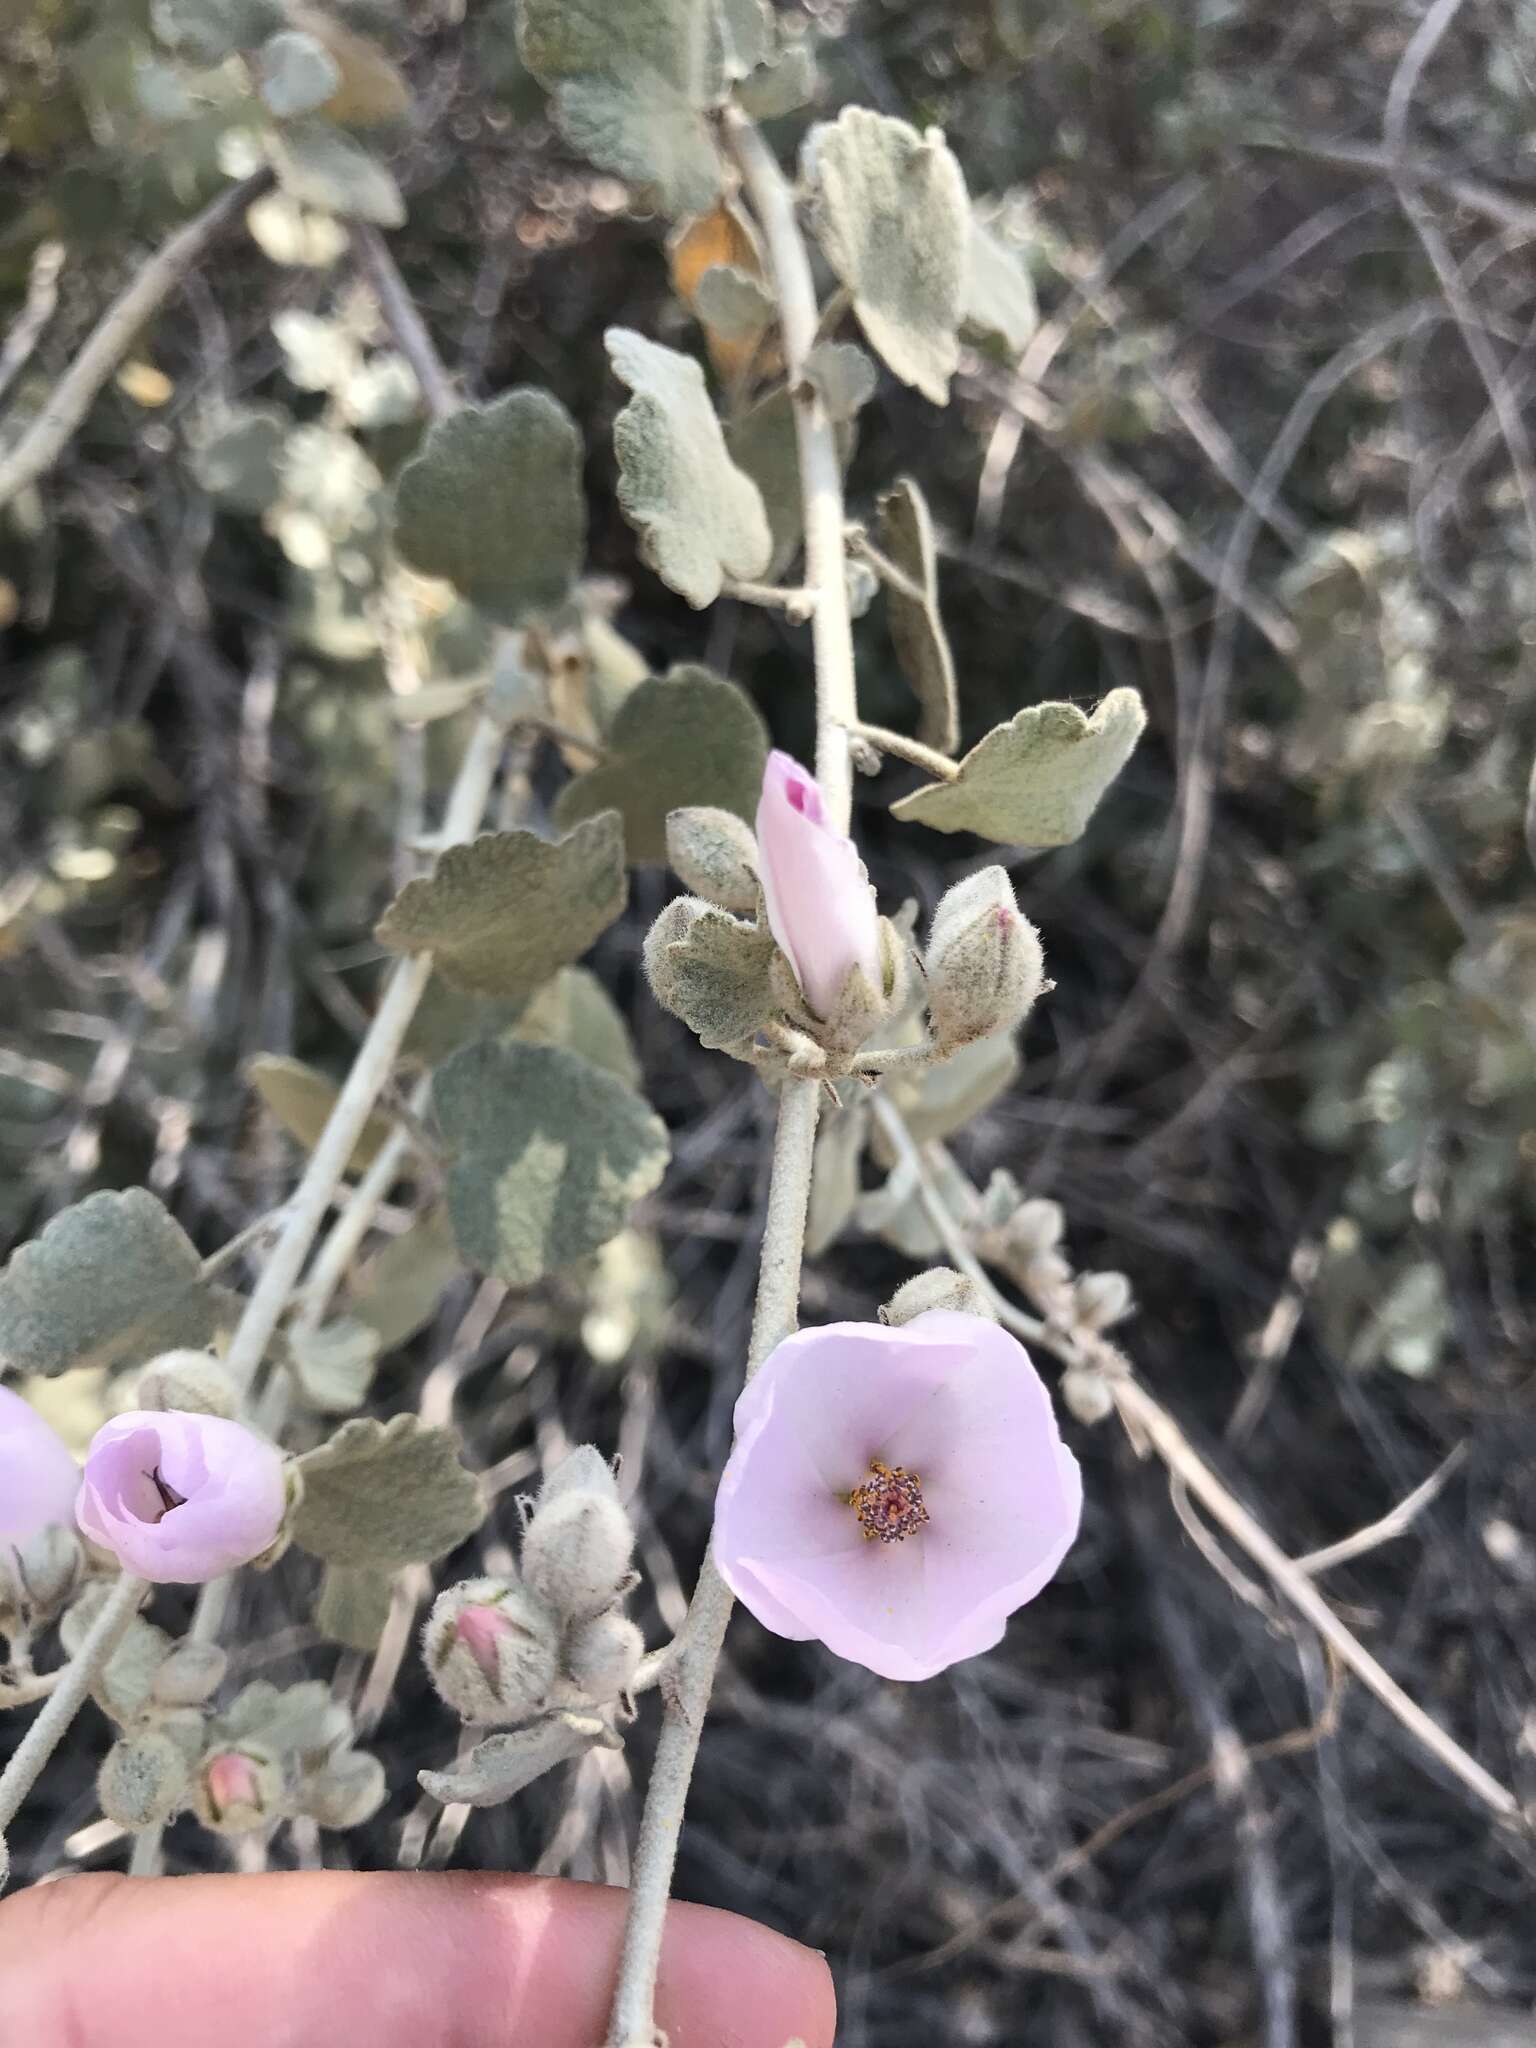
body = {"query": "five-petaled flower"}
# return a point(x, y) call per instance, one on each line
point(38, 1477)
point(181, 1498)
point(821, 908)
point(896, 1493)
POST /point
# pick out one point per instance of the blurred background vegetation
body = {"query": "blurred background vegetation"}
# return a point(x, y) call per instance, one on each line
point(1268, 457)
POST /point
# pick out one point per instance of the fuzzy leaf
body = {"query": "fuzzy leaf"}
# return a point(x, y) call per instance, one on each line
point(302, 1099)
point(1036, 780)
point(503, 1765)
point(290, 1720)
point(576, 1011)
point(334, 1365)
point(295, 74)
point(722, 239)
point(843, 375)
point(1000, 302)
point(352, 1606)
point(698, 517)
point(319, 166)
point(370, 88)
point(124, 1685)
point(732, 303)
point(549, 1154)
point(917, 631)
point(493, 502)
point(762, 443)
point(382, 1495)
point(239, 458)
point(208, 31)
point(944, 1098)
point(712, 970)
point(780, 86)
point(111, 1281)
point(501, 914)
point(397, 1291)
point(447, 1018)
point(685, 738)
point(894, 221)
point(835, 1184)
point(631, 80)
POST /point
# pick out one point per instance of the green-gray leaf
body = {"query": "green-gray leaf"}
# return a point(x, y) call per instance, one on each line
point(712, 970)
point(503, 1765)
point(301, 1098)
point(835, 1183)
point(207, 31)
point(352, 1606)
point(894, 221)
point(699, 518)
point(111, 1281)
point(778, 87)
point(382, 1495)
point(1000, 300)
point(685, 738)
point(576, 1011)
point(397, 1291)
point(762, 443)
point(501, 914)
point(1036, 780)
point(945, 1097)
point(296, 74)
point(319, 166)
point(334, 1365)
point(732, 302)
point(917, 631)
point(549, 1155)
point(494, 503)
point(631, 80)
point(124, 1685)
point(843, 375)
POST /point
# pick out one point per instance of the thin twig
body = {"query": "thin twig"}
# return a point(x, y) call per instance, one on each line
point(404, 322)
point(902, 748)
point(46, 438)
point(42, 296)
point(1148, 1423)
point(1396, 1522)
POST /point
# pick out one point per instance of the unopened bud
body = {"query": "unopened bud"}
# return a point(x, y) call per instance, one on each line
point(38, 1576)
point(584, 1470)
point(190, 1674)
point(238, 1790)
point(143, 1780)
point(714, 854)
point(193, 1381)
point(1037, 1225)
point(603, 1655)
point(490, 1648)
point(1086, 1394)
point(576, 1553)
point(985, 966)
point(1101, 1299)
point(940, 1288)
point(347, 1791)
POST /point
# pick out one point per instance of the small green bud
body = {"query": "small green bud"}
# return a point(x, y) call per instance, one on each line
point(714, 854)
point(143, 1780)
point(940, 1288)
point(490, 1648)
point(576, 1553)
point(348, 1790)
point(191, 1673)
point(1101, 1299)
point(602, 1656)
point(194, 1381)
point(985, 966)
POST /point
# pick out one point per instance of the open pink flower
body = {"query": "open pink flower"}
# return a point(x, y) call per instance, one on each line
point(181, 1498)
point(896, 1493)
point(821, 908)
point(38, 1477)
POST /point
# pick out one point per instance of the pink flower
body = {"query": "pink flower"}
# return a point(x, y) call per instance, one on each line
point(896, 1493)
point(181, 1498)
point(38, 1477)
point(821, 908)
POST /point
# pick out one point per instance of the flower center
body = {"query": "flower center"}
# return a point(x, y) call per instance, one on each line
point(890, 1505)
point(169, 1497)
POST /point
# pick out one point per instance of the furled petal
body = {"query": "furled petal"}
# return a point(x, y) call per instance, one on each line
point(231, 1487)
point(821, 908)
point(950, 1397)
point(38, 1477)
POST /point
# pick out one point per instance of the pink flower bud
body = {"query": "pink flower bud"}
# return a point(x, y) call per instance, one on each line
point(181, 1498)
point(821, 908)
point(232, 1781)
point(38, 1478)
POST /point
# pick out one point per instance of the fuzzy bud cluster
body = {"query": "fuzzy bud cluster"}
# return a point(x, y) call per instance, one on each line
point(504, 1651)
point(941, 1288)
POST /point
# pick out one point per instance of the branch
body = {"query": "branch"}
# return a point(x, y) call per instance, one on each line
point(688, 1687)
point(71, 398)
point(1148, 1422)
point(66, 1700)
